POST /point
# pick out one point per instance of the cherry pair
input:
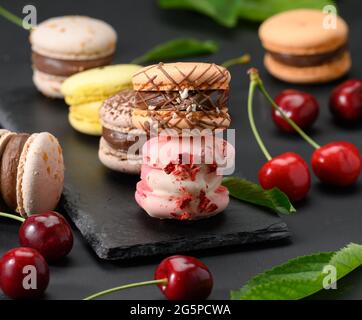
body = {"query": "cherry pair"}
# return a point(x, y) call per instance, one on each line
point(336, 163)
point(345, 104)
point(24, 271)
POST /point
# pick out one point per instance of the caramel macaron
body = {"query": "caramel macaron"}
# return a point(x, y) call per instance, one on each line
point(31, 171)
point(305, 46)
point(63, 46)
point(182, 95)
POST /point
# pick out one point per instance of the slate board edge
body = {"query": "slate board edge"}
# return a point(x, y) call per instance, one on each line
point(277, 232)
point(274, 232)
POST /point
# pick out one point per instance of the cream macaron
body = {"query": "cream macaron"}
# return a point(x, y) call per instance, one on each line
point(305, 46)
point(31, 171)
point(63, 46)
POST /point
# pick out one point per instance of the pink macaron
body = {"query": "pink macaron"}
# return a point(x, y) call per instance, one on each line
point(181, 177)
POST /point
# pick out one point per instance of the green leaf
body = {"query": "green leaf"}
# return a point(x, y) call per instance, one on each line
point(224, 12)
point(178, 48)
point(259, 10)
point(250, 192)
point(300, 277)
point(227, 12)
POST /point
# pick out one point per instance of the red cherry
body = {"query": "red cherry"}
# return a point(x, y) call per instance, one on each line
point(345, 101)
point(299, 106)
point(187, 278)
point(49, 233)
point(24, 273)
point(337, 163)
point(288, 172)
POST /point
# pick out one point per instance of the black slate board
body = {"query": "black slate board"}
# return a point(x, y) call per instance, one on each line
point(101, 202)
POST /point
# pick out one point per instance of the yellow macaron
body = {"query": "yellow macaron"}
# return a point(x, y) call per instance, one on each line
point(84, 118)
point(85, 92)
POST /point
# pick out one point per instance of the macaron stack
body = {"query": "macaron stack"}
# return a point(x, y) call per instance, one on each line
point(305, 46)
point(182, 95)
point(86, 91)
point(31, 171)
point(176, 96)
point(184, 103)
point(63, 46)
point(120, 144)
point(181, 178)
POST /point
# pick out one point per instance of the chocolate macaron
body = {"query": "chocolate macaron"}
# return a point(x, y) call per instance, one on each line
point(120, 143)
point(31, 171)
point(302, 46)
point(182, 95)
point(63, 46)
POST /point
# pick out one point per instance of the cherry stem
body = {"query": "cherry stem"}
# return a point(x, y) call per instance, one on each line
point(244, 59)
point(255, 78)
point(12, 216)
point(127, 286)
point(14, 19)
point(252, 122)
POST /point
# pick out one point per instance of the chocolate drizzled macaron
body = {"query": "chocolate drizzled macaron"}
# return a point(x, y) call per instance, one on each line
point(120, 143)
point(31, 171)
point(182, 95)
point(305, 46)
point(63, 46)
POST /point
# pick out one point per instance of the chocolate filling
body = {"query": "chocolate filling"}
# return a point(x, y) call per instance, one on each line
point(182, 101)
point(66, 68)
point(118, 140)
point(9, 168)
point(308, 60)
